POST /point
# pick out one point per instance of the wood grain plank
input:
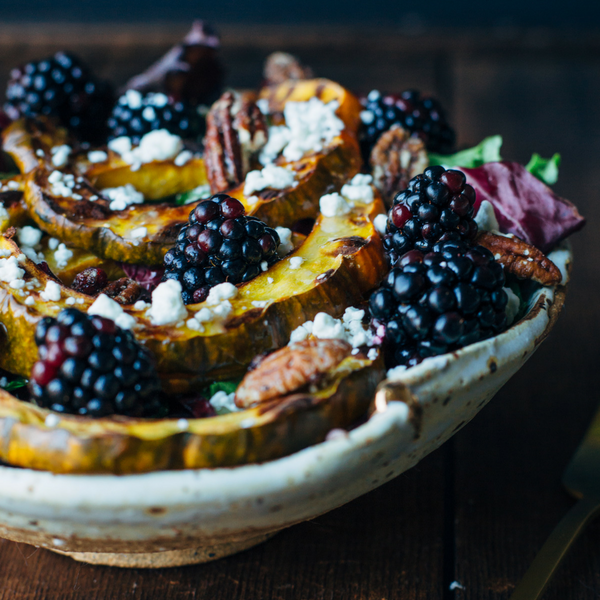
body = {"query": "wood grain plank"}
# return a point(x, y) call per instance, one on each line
point(510, 459)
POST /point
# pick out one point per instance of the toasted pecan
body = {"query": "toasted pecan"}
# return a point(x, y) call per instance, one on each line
point(289, 369)
point(281, 66)
point(520, 258)
point(395, 160)
point(123, 290)
point(235, 131)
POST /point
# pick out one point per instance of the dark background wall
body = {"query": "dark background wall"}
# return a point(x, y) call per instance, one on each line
point(413, 15)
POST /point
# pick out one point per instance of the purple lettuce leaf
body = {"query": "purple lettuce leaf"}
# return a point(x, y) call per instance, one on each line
point(523, 204)
point(147, 277)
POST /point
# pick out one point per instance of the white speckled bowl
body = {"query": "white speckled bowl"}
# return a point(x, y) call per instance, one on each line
point(183, 517)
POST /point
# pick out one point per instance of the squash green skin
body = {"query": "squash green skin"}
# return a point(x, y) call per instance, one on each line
point(343, 262)
point(126, 446)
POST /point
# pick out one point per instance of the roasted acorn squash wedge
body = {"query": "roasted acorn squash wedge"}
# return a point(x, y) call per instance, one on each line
point(340, 262)
point(35, 438)
point(317, 173)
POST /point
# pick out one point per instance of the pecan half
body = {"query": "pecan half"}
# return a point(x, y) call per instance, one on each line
point(235, 131)
point(123, 290)
point(289, 369)
point(395, 160)
point(520, 258)
point(281, 66)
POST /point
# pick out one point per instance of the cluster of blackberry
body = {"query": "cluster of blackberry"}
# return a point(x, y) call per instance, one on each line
point(61, 86)
point(89, 366)
point(436, 206)
point(435, 302)
point(219, 244)
point(135, 114)
point(421, 116)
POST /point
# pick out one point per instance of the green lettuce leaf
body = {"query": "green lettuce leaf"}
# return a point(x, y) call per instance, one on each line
point(545, 169)
point(15, 384)
point(486, 151)
point(199, 193)
point(223, 386)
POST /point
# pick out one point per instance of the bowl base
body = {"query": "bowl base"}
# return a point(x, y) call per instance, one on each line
point(167, 558)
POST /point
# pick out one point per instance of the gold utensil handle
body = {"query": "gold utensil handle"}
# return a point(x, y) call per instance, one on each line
point(548, 559)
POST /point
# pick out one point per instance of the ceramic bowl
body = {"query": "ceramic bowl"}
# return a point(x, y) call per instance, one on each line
point(183, 517)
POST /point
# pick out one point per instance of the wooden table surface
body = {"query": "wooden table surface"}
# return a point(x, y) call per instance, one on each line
point(476, 510)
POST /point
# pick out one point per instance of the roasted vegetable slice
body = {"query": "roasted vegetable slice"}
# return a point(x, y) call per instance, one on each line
point(35, 438)
point(338, 264)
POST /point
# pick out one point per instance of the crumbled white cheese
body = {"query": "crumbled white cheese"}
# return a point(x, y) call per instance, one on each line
point(167, 304)
point(159, 144)
point(348, 328)
point(223, 291)
point(29, 301)
point(309, 127)
point(218, 300)
point(333, 205)
point(52, 292)
point(264, 266)
point(285, 240)
point(263, 105)
point(326, 327)
point(270, 280)
point(53, 243)
point(372, 354)
point(358, 190)
point(486, 217)
point(141, 305)
point(106, 307)
point(380, 223)
point(259, 303)
point(195, 325)
point(70, 301)
point(123, 196)
point(11, 273)
point(29, 236)
point(52, 420)
point(97, 156)
point(140, 232)
point(62, 255)
point(39, 152)
point(183, 158)
point(272, 176)
point(296, 262)
point(121, 145)
point(512, 306)
point(61, 184)
point(60, 155)
point(223, 402)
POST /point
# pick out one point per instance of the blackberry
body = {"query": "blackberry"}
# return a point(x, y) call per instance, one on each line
point(89, 366)
point(421, 116)
point(219, 244)
point(437, 206)
point(436, 302)
point(135, 114)
point(61, 86)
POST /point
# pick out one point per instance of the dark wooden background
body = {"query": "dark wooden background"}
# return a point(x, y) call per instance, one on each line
point(476, 510)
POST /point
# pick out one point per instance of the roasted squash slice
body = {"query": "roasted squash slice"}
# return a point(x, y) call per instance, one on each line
point(341, 261)
point(317, 173)
point(35, 438)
